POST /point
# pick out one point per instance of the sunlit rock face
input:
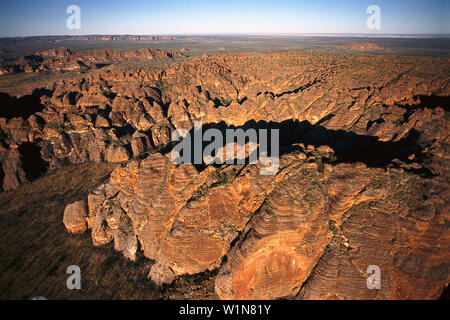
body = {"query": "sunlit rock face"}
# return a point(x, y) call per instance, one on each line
point(63, 60)
point(362, 179)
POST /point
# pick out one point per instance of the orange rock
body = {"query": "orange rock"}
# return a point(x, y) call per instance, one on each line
point(75, 216)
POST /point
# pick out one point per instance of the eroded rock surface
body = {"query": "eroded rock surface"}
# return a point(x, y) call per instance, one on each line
point(363, 177)
point(63, 59)
point(75, 216)
point(317, 233)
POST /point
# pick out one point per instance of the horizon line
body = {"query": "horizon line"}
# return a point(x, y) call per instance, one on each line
point(306, 34)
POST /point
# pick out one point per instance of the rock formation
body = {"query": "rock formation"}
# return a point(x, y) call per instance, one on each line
point(363, 177)
point(63, 59)
point(75, 217)
point(362, 46)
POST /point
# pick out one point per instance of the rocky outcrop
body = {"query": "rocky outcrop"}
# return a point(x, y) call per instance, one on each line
point(75, 216)
point(68, 126)
point(317, 233)
point(363, 176)
point(161, 274)
point(13, 173)
point(280, 236)
point(362, 46)
point(63, 59)
point(116, 114)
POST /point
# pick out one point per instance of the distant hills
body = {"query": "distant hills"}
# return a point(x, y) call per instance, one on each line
point(361, 46)
point(21, 40)
point(62, 59)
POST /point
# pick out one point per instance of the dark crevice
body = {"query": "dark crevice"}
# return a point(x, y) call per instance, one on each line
point(360, 88)
point(217, 102)
point(348, 147)
point(425, 102)
point(299, 89)
point(124, 131)
point(110, 95)
point(32, 162)
point(445, 295)
point(165, 108)
point(102, 65)
point(23, 107)
point(370, 123)
point(159, 93)
point(241, 101)
point(73, 97)
point(2, 177)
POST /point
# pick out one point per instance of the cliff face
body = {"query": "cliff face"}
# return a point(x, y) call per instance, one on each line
point(363, 177)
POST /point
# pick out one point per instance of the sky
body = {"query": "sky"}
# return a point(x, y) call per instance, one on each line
point(163, 17)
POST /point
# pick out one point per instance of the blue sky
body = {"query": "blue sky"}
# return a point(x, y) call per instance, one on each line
point(48, 17)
